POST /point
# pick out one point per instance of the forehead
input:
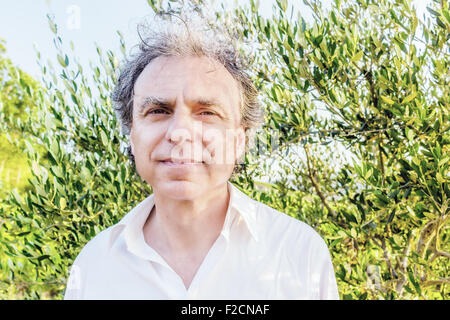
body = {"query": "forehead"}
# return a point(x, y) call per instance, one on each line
point(191, 78)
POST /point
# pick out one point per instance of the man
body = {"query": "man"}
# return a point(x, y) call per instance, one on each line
point(188, 106)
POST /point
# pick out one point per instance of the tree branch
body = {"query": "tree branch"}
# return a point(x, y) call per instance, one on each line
point(381, 162)
point(402, 265)
point(316, 185)
point(435, 282)
point(386, 257)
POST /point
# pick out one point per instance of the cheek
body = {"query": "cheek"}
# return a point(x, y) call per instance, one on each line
point(223, 147)
point(144, 139)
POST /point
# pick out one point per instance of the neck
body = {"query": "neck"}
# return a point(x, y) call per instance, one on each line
point(182, 225)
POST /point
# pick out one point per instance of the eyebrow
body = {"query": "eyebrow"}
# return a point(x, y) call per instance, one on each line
point(209, 103)
point(164, 103)
point(153, 101)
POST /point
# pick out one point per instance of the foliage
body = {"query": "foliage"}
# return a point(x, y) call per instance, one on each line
point(380, 77)
point(84, 186)
point(385, 216)
point(16, 102)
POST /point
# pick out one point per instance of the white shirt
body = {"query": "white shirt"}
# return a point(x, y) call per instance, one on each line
point(260, 253)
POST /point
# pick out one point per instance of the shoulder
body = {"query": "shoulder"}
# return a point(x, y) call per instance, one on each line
point(298, 242)
point(89, 259)
point(276, 226)
point(268, 222)
point(96, 247)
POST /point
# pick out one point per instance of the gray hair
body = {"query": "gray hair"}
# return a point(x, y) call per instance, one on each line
point(181, 40)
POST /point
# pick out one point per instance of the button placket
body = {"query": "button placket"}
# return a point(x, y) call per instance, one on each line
point(211, 260)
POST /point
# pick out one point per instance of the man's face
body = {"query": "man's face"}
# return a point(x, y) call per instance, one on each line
point(186, 133)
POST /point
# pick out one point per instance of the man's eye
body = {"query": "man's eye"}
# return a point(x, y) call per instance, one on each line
point(207, 113)
point(157, 111)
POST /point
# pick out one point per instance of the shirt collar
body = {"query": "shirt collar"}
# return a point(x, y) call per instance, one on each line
point(245, 207)
point(133, 222)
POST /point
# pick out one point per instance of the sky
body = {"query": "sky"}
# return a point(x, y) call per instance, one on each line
point(24, 22)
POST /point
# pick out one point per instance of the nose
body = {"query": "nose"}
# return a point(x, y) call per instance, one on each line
point(182, 126)
point(185, 133)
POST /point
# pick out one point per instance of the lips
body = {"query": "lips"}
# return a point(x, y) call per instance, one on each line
point(180, 161)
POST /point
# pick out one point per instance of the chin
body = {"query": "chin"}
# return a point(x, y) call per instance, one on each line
point(180, 189)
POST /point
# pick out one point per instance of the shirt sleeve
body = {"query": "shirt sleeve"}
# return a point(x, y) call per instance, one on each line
point(323, 279)
point(74, 284)
point(328, 285)
point(78, 285)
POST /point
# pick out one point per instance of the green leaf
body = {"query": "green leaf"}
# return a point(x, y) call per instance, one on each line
point(409, 134)
point(61, 61)
point(358, 56)
point(52, 26)
point(440, 23)
point(414, 283)
point(104, 138)
point(433, 12)
point(62, 203)
point(45, 256)
point(387, 100)
point(410, 97)
point(368, 174)
point(380, 196)
point(446, 14)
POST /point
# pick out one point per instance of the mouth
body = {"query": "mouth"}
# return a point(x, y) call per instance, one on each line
point(181, 162)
